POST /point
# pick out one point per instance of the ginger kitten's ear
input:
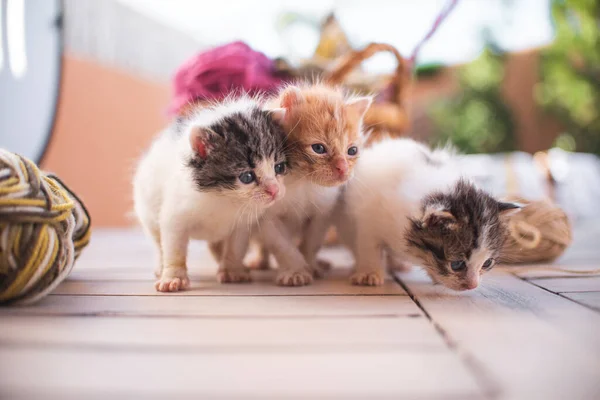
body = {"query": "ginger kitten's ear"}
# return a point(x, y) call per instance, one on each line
point(291, 96)
point(506, 209)
point(202, 140)
point(359, 105)
point(437, 215)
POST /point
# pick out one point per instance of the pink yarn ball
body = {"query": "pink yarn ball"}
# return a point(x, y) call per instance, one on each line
point(213, 74)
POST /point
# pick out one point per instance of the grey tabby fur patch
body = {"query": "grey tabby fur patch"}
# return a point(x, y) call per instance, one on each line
point(239, 142)
point(476, 223)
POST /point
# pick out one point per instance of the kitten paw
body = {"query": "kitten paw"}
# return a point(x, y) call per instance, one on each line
point(372, 278)
point(294, 278)
point(172, 280)
point(320, 268)
point(259, 263)
point(234, 276)
point(158, 272)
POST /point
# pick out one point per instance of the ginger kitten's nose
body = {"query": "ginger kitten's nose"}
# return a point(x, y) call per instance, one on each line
point(341, 166)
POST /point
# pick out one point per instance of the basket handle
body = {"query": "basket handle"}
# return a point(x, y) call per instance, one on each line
point(346, 63)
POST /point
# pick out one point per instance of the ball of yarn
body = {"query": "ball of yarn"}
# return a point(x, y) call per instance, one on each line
point(214, 73)
point(43, 227)
point(540, 231)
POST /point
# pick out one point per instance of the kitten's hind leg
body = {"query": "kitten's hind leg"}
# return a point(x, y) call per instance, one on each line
point(216, 249)
point(395, 263)
point(231, 267)
point(260, 260)
point(155, 233)
point(312, 240)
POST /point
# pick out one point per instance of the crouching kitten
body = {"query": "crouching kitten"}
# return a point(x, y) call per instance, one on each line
point(408, 205)
point(209, 176)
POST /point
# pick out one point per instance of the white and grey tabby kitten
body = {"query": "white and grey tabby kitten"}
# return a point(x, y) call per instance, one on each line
point(207, 177)
point(413, 206)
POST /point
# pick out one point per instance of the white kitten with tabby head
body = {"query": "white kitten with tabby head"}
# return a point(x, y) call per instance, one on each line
point(209, 176)
point(412, 206)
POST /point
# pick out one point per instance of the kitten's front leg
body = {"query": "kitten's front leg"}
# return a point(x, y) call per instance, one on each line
point(312, 240)
point(174, 243)
point(369, 263)
point(293, 269)
point(231, 267)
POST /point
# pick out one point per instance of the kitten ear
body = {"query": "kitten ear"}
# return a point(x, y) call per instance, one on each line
point(437, 215)
point(291, 96)
point(506, 209)
point(202, 140)
point(278, 114)
point(359, 105)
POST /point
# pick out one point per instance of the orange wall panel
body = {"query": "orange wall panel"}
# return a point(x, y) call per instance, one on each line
point(105, 119)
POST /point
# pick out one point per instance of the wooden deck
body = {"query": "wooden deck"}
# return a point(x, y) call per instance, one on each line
point(106, 334)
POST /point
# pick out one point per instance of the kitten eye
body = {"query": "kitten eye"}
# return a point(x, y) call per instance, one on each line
point(352, 151)
point(458, 265)
point(280, 168)
point(319, 148)
point(488, 264)
point(247, 177)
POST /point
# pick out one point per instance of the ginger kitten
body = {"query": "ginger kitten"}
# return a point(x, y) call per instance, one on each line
point(324, 130)
point(412, 206)
point(209, 176)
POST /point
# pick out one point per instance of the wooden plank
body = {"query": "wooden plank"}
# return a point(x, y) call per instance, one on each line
point(573, 284)
point(307, 374)
point(221, 334)
point(228, 306)
point(335, 284)
point(590, 299)
point(548, 270)
point(118, 249)
point(523, 341)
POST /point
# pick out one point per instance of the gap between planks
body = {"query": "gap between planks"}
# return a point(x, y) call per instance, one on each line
point(529, 342)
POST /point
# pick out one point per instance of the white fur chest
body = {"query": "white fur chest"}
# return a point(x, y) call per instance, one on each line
point(211, 217)
point(203, 215)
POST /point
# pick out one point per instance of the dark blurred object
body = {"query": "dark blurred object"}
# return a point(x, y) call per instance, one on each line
point(213, 74)
point(570, 73)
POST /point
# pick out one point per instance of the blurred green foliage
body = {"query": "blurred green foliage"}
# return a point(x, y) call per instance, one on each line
point(477, 120)
point(570, 74)
point(569, 89)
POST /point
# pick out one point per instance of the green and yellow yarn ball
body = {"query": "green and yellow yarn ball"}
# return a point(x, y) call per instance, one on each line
point(43, 228)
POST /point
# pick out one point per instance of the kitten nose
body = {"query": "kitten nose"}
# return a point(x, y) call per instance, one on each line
point(272, 190)
point(472, 282)
point(341, 166)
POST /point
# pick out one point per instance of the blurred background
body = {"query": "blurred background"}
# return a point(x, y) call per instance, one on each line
point(86, 84)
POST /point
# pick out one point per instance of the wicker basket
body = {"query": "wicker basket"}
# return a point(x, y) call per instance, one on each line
point(388, 116)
